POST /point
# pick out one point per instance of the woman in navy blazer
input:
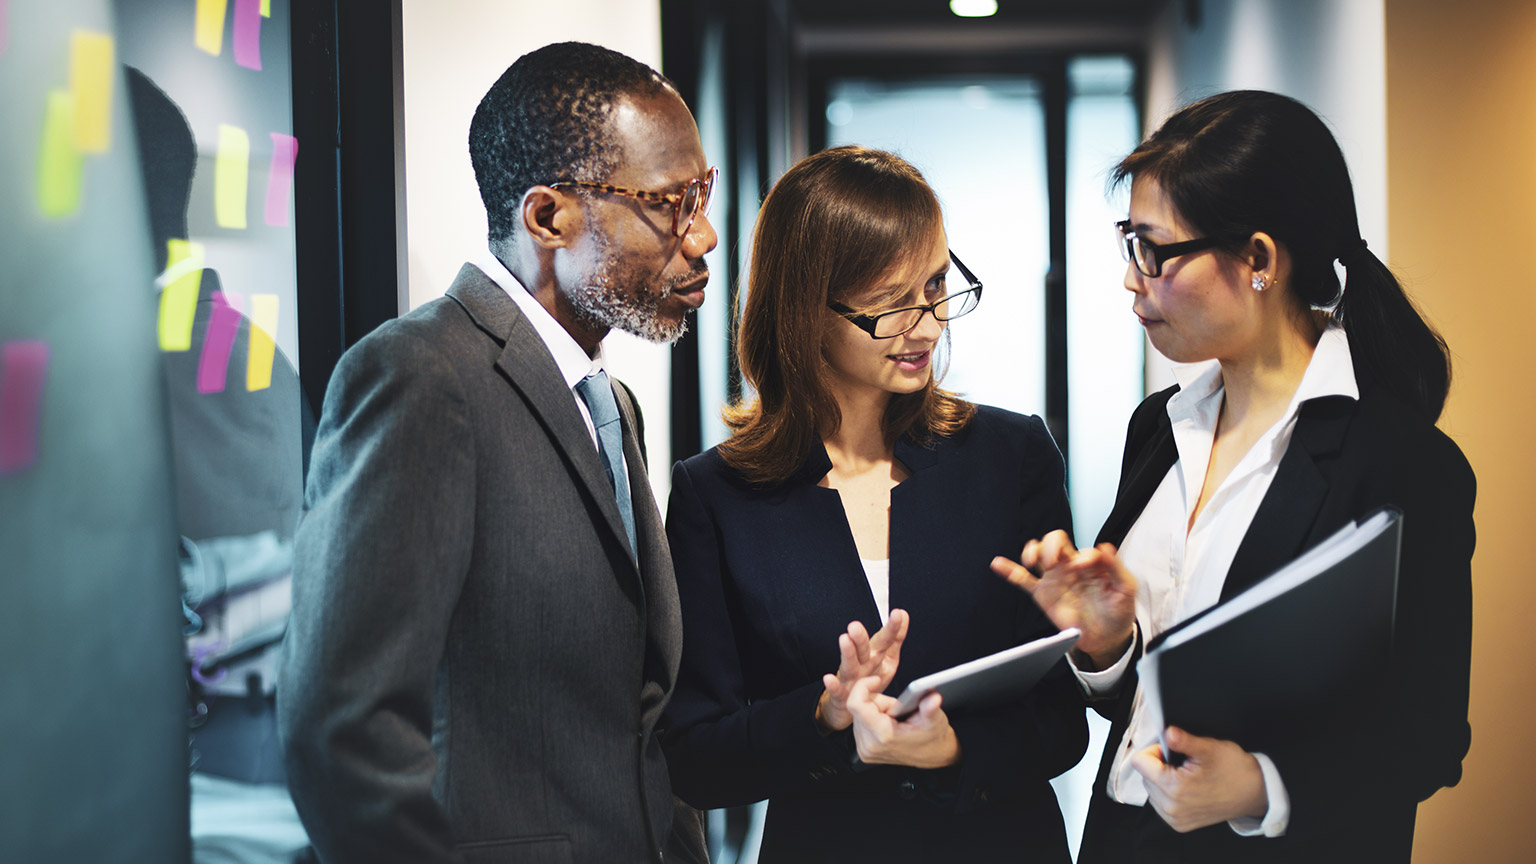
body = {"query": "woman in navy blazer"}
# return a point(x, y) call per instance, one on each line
point(849, 461)
point(1240, 205)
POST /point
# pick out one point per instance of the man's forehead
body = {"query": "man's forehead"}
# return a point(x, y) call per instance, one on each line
point(656, 139)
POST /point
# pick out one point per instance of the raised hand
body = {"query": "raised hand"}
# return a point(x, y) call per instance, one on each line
point(860, 656)
point(1089, 589)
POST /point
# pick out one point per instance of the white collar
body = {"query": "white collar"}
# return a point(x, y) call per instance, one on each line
point(1330, 372)
point(573, 362)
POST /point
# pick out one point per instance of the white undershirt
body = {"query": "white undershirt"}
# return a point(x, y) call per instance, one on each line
point(1180, 574)
point(878, 572)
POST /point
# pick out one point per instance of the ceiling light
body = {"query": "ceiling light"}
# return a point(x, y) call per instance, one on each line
point(973, 8)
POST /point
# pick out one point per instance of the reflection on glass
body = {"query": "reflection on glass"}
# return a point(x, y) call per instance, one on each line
point(211, 99)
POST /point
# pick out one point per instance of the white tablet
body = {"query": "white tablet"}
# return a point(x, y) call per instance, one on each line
point(993, 678)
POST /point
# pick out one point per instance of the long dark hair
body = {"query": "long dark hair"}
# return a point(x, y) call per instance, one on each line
point(831, 226)
point(1249, 161)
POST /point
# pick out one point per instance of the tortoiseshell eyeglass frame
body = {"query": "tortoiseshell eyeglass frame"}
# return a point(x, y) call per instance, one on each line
point(703, 190)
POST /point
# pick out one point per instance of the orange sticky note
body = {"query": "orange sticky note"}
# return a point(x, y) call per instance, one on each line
point(179, 285)
point(231, 175)
point(209, 30)
point(90, 81)
point(59, 164)
point(258, 365)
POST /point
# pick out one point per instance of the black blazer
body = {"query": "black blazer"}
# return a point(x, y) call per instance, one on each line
point(769, 577)
point(1354, 786)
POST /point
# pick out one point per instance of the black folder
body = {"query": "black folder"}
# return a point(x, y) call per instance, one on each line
point(1288, 652)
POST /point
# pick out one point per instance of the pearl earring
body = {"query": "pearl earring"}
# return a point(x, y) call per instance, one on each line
point(1259, 284)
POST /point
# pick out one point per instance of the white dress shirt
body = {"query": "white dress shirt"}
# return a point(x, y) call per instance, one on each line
point(1180, 568)
point(877, 571)
point(570, 358)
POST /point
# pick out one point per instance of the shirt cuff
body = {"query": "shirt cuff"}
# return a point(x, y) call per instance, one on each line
point(1105, 681)
point(1278, 817)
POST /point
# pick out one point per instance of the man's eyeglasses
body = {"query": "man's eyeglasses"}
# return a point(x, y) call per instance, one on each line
point(898, 322)
point(1148, 256)
point(686, 204)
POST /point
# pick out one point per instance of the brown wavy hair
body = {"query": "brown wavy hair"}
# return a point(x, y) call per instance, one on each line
point(832, 226)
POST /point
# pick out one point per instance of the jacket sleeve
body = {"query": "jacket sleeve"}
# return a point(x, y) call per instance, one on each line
point(1406, 737)
point(381, 556)
point(723, 748)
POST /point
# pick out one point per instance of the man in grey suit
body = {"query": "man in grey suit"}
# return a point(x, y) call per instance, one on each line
point(485, 626)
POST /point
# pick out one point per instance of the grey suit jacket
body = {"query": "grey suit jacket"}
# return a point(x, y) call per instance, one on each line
point(475, 664)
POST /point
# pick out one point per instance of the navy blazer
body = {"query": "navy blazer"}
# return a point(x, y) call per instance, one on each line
point(1354, 785)
point(769, 577)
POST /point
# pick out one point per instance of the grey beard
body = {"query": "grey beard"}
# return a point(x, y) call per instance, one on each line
point(601, 303)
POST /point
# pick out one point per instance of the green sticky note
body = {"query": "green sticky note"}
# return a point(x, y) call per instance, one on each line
point(59, 164)
point(231, 175)
point(179, 285)
point(266, 8)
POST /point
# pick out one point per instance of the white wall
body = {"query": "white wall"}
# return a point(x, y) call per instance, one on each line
point(454, 50)
point(1330, 54)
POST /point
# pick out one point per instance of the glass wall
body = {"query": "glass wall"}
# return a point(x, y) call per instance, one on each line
point(981, 144)
point(152, 428)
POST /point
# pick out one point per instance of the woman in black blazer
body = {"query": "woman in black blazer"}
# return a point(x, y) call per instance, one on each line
point(1313, 404)
point(849, 462)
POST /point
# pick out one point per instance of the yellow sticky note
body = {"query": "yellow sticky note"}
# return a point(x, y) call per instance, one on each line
point(231, 174)
point(209, 33)
point(179, 285)
point(90, 81)
point(266, 8)
point(258, 366)
point(59, 164)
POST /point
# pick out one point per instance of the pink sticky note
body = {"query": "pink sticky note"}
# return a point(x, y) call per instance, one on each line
point(248, 34)
point(218, 342)
point(285, 149)
point(23, 370)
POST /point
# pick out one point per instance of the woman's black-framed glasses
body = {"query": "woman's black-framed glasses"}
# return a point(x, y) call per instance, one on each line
point(1148, 256)
point(687, 204)
point(899, 322)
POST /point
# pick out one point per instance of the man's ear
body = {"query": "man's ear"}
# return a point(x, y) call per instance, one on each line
point(549, 217)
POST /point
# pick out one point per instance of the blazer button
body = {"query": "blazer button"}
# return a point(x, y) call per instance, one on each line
point(907, 790)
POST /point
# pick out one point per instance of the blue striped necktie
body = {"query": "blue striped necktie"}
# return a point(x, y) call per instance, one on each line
point(598, 394)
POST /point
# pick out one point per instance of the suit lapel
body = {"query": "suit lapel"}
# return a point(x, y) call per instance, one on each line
point(527, 365)
point(1140, 481)
point(1285, 518)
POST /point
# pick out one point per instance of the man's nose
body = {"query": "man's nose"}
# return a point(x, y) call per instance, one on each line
point(699, 238)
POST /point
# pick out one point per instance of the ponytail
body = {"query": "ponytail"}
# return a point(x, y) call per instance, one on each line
point(1393, 346)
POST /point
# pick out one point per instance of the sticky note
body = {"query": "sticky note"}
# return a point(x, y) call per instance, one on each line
point(59, 164)
point(285, 149)
point(248, 34)
point(231, 171)
point(218, 342)
point(179, 285)
point(266, 8)
point(258, 364)
point(23, 372)
point(209, 30)
point(90, 81)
